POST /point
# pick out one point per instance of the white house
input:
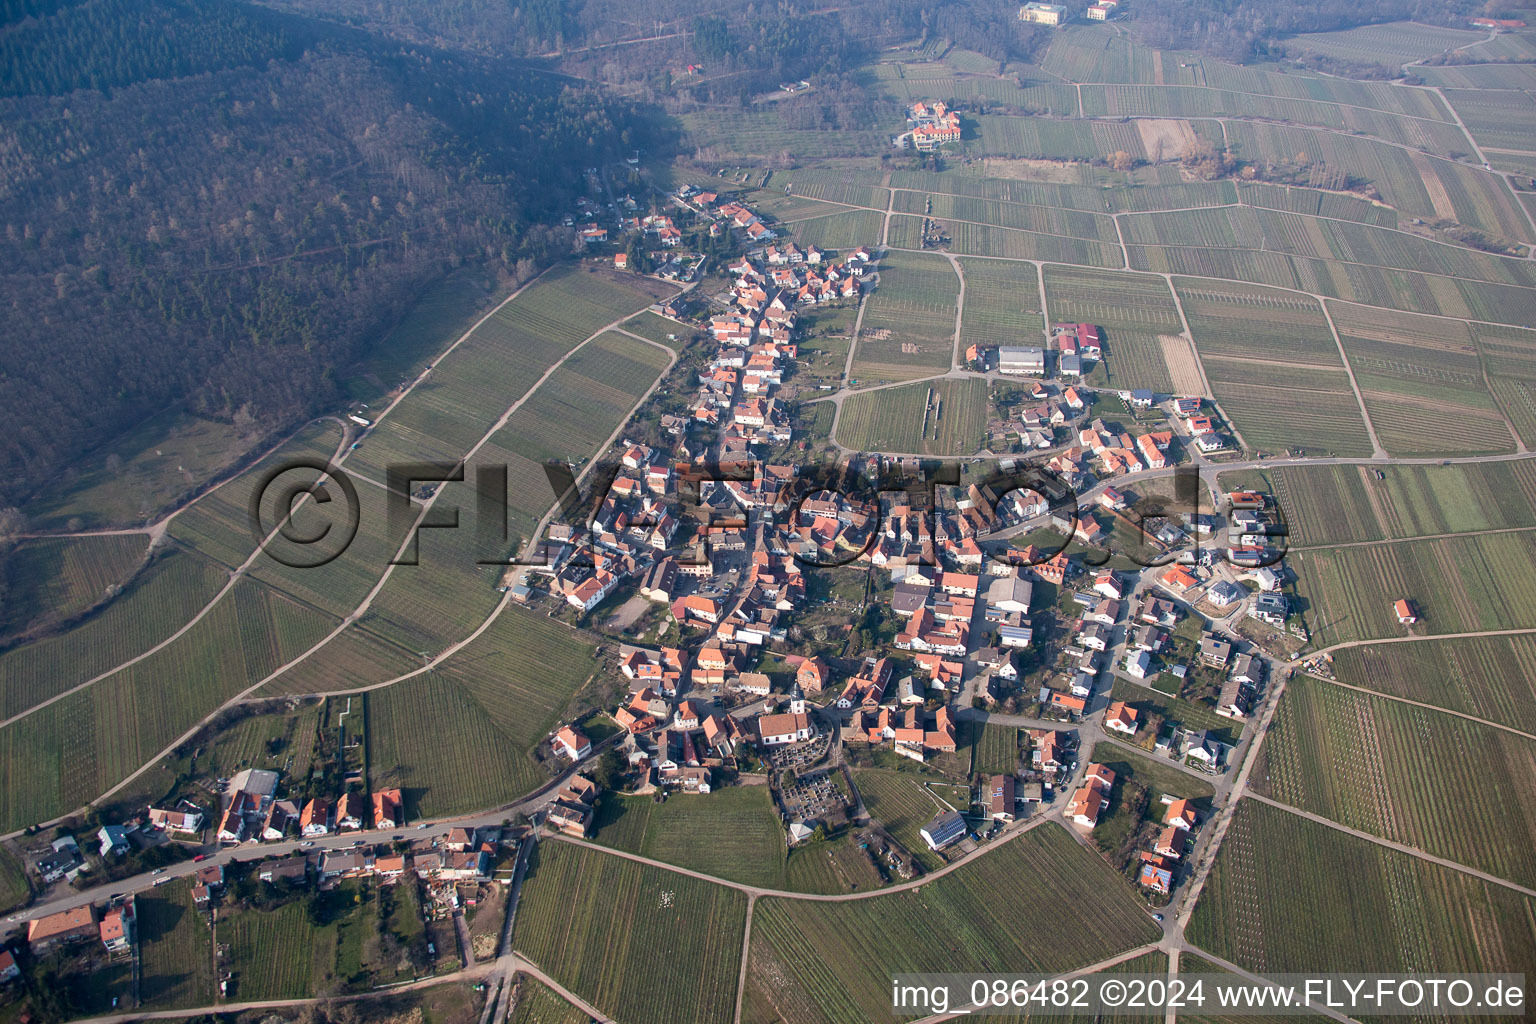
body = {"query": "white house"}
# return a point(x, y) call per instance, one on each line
point(570, 742)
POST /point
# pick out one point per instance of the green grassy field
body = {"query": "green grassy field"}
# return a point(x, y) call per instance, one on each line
point(14, 886)
point(847, 229)
point(49, 581)
point(443, 312)
point(746, 843)
point(1039, 903)
point(149, 468)
point(600, 924)
point(1199, 965)
point(1422, 382)
point(1509, 358)
point(279, 954)
point(1020, 216)
point(1394, 42)
point(278, 742)
point(1392, 769)
point(1415, 184)
point(219, 525)
point(996, 749)
point(1269, 907)
point(941, 417)
point(176, 948)
point(159, 601)
point(909, 320)
point(1459, 584)
point(469, 388)
point(660, 330)
point(1346, 504)
point(832, 866)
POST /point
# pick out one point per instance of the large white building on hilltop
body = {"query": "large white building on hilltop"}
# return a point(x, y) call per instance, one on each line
point(1043, 14)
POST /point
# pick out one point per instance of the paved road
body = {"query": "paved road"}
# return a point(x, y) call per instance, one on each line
point(64, 898)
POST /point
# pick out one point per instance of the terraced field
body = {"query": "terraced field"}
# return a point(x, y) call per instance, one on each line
point(1416, 185)
point(1041, 139)
point(1374, 909)
point(939, 417)
point(1039, 903)
point(846, 230)
point(1396, 42)
point(1509, 356)
point(909, 320)
point(994, 212)
point(599, 924)
point(1392, 769)
point(468, 389)
point(81, 745)
point(1422, 383)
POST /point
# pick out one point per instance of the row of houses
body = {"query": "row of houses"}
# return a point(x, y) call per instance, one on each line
point(112, 925)
point(353, 811)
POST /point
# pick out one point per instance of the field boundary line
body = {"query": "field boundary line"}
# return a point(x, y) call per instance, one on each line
point(1412, 851)
point(1205, 381)
point(235, 576)
point(746, 948)
point(1233, 280)
point(1227, 965)
point(1224, 816)
point(1406, 540)
point(1109, 961)
point(954, 355)
point(339, 457)
point(1344, 644)
point(426, 507)
point(506, 598)
point(1427, 707)
point(811, 897)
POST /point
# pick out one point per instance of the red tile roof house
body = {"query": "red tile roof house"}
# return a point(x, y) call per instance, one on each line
point(315, 818)
point(1182, 814)
point(1121, 718)
point(349, 812)
point(387, 810)
point(117, 928)
point(570, 742)
point(1089, 800)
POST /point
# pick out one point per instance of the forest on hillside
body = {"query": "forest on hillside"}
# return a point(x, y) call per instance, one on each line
point(213, 206)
